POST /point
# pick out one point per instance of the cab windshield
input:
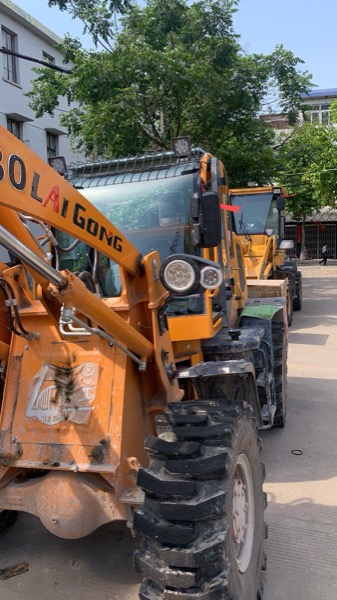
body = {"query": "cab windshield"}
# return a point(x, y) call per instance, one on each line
point(258, 214)
point(151, 208)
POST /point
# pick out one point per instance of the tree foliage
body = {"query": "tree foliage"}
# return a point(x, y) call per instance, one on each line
point(307, 166)
point(168, 69)
point(97, 16)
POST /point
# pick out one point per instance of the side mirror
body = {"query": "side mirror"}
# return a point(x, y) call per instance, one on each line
point(286, 245)
point(206, 220)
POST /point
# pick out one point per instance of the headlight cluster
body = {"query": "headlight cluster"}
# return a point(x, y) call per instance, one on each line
point(180, 276)
point(183, 275)
point(210, 277)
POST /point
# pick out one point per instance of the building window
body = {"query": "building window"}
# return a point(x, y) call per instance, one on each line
point(48, 58)
point(10, 62)
point(52, 144)
point(15, 127)
point(325, 116)
point(319, 113)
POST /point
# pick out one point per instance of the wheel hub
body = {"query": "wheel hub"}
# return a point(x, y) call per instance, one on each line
point(243, 513)
point(239, 511)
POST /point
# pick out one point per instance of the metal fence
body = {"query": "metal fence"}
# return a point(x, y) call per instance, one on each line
point(316, 235)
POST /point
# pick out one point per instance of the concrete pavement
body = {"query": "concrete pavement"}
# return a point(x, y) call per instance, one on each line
point(302, 489)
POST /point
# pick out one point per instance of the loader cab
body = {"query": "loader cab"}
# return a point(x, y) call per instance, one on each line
point(260, 224)
point(259, 213)
point(172, 205)
point(150, 206)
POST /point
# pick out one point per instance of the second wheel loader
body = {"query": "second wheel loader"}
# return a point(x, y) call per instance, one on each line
point(134, 371)
point(261, 226)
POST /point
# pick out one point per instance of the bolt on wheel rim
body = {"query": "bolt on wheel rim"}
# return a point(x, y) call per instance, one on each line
point(243, 512)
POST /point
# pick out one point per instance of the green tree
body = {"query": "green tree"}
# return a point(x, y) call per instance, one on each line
point(307, 167)
point(171, 69)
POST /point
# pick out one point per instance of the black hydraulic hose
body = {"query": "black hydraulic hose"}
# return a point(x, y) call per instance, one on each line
point(69, 249)
point(88, 280)
point(10, 298)
point(8, 309)
point(28, 257)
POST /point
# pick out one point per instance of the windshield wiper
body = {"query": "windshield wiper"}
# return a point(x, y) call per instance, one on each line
point(244, 229)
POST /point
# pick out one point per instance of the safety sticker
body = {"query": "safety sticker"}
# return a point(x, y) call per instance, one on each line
point(63, 394)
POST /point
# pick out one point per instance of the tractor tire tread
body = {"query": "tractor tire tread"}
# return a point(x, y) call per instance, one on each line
point(183, 553)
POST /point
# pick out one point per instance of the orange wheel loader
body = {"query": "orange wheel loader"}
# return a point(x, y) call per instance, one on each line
point(134, 371)
point(260, 224)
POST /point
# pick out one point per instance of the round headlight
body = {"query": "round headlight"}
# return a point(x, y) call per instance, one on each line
point(211, 278)
point(180, 276)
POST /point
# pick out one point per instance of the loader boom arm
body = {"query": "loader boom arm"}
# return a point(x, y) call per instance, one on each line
point(30, 186)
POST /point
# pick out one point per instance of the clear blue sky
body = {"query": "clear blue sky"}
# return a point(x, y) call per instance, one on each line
point(308, 28)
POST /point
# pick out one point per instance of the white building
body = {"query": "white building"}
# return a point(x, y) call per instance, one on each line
point(317, 110)
point(318, 106)
point(23, 34)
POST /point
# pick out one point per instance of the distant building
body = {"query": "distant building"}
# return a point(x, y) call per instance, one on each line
point(317, 110)
point(22, 34)
point(318, 106)
point(276, 121)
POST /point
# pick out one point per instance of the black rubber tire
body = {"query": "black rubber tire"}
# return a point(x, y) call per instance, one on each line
point(280, 349)
point(297, 304)
point(289, 304)
point(7, 519)
point(189, 552)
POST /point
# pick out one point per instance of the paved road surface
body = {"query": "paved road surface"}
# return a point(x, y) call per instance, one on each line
point(302, 490)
